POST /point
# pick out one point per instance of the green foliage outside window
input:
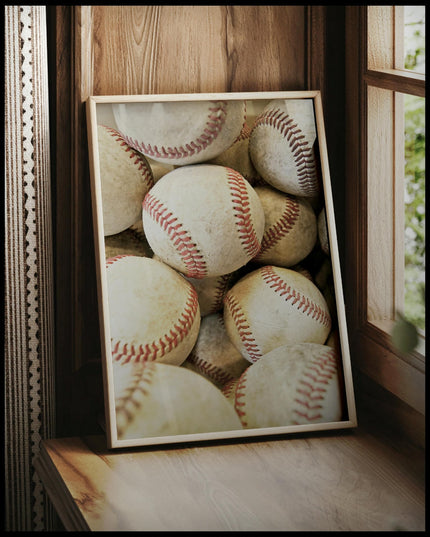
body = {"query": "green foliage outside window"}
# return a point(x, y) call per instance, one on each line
point(414, 309)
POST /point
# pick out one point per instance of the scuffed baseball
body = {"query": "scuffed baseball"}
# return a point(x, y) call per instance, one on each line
point(154, 399)
point(237, 157)
point(274, 306)
point(214, 356)
point(291, 385)
point(211, 291)
point(153, 311)
point(290, 231)
point(281, 146)
point(125, 177)
point(132, 241)
point(181, 133)
point(203, 220)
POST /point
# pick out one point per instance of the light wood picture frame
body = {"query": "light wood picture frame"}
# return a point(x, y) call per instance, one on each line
point(155, 396)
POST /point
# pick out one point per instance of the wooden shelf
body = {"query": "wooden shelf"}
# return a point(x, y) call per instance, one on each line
point(349, 481)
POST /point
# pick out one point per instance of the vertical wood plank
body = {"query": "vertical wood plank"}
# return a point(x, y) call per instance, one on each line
point(380, 195)
point(190, 49)
point(381, 37)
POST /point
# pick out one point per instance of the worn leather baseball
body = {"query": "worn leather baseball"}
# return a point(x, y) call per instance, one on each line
point(273, 306)
point(181, 132)
point(125, 178)
point(290, 231)
point(282, 146)
point(153, 399)
point(291, 385)
point(153, 311)
point(203, 220)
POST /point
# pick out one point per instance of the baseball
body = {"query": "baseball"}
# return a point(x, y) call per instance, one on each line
point(237, 157)
point(273, 306)
point(129, 242)
point(211, 292)
point(291, 385)
point(180, 133)
point(125, 177)
point(214, 356)
point(154, 399)
point(153, 311)
point(281, 146)
point(203, 220)
point(290, 231)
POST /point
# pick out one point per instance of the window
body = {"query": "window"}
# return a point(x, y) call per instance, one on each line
point(385, 93)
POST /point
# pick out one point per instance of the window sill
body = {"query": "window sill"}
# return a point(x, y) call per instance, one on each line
point(305, 483)
point(402, 375)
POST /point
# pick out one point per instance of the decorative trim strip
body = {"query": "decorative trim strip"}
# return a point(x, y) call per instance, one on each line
point(29, 330)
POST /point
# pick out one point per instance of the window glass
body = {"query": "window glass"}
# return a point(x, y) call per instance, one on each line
point(414, 38)
point(414, 306)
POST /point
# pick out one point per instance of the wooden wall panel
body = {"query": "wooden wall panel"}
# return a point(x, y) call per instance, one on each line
point(107, 50)
point(187, 49)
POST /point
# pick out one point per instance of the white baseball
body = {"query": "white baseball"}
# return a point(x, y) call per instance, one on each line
point(281, 146)
point(181, 133)
point(125, 177)
point(237, 157)
point(211, 291)
point(291, 385)
point(153, 399)
point(203, 220)
point(153, 311)
point(214, 356)
point(273, 306)
point(290, 231)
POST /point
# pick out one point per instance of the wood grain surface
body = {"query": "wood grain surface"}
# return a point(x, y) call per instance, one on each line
point(189, 49)
point(349, 482)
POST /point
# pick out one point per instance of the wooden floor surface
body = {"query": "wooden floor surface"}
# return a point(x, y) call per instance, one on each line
point(348, 481)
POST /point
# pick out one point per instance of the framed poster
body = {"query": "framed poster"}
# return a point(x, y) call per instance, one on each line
point(220, 295)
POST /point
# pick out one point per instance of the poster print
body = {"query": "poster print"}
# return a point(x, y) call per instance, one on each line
point(220, 291)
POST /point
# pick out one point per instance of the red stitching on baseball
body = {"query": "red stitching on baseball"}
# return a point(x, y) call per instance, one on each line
point(245, 133)
point(139, 383)
point(301, 302)
point(280, 228)
point(220, 290)
point(312, 387)
point(215, 121)
point(243, 327)
point(211, 370)
point(125, 352)
point(112, 260)
point(229, 388)
point(242, 213)
point(138, 160)
point(302, 153)
point(181, 239)
point(238, 403)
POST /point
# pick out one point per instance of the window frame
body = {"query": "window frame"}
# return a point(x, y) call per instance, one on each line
point(371, 349)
